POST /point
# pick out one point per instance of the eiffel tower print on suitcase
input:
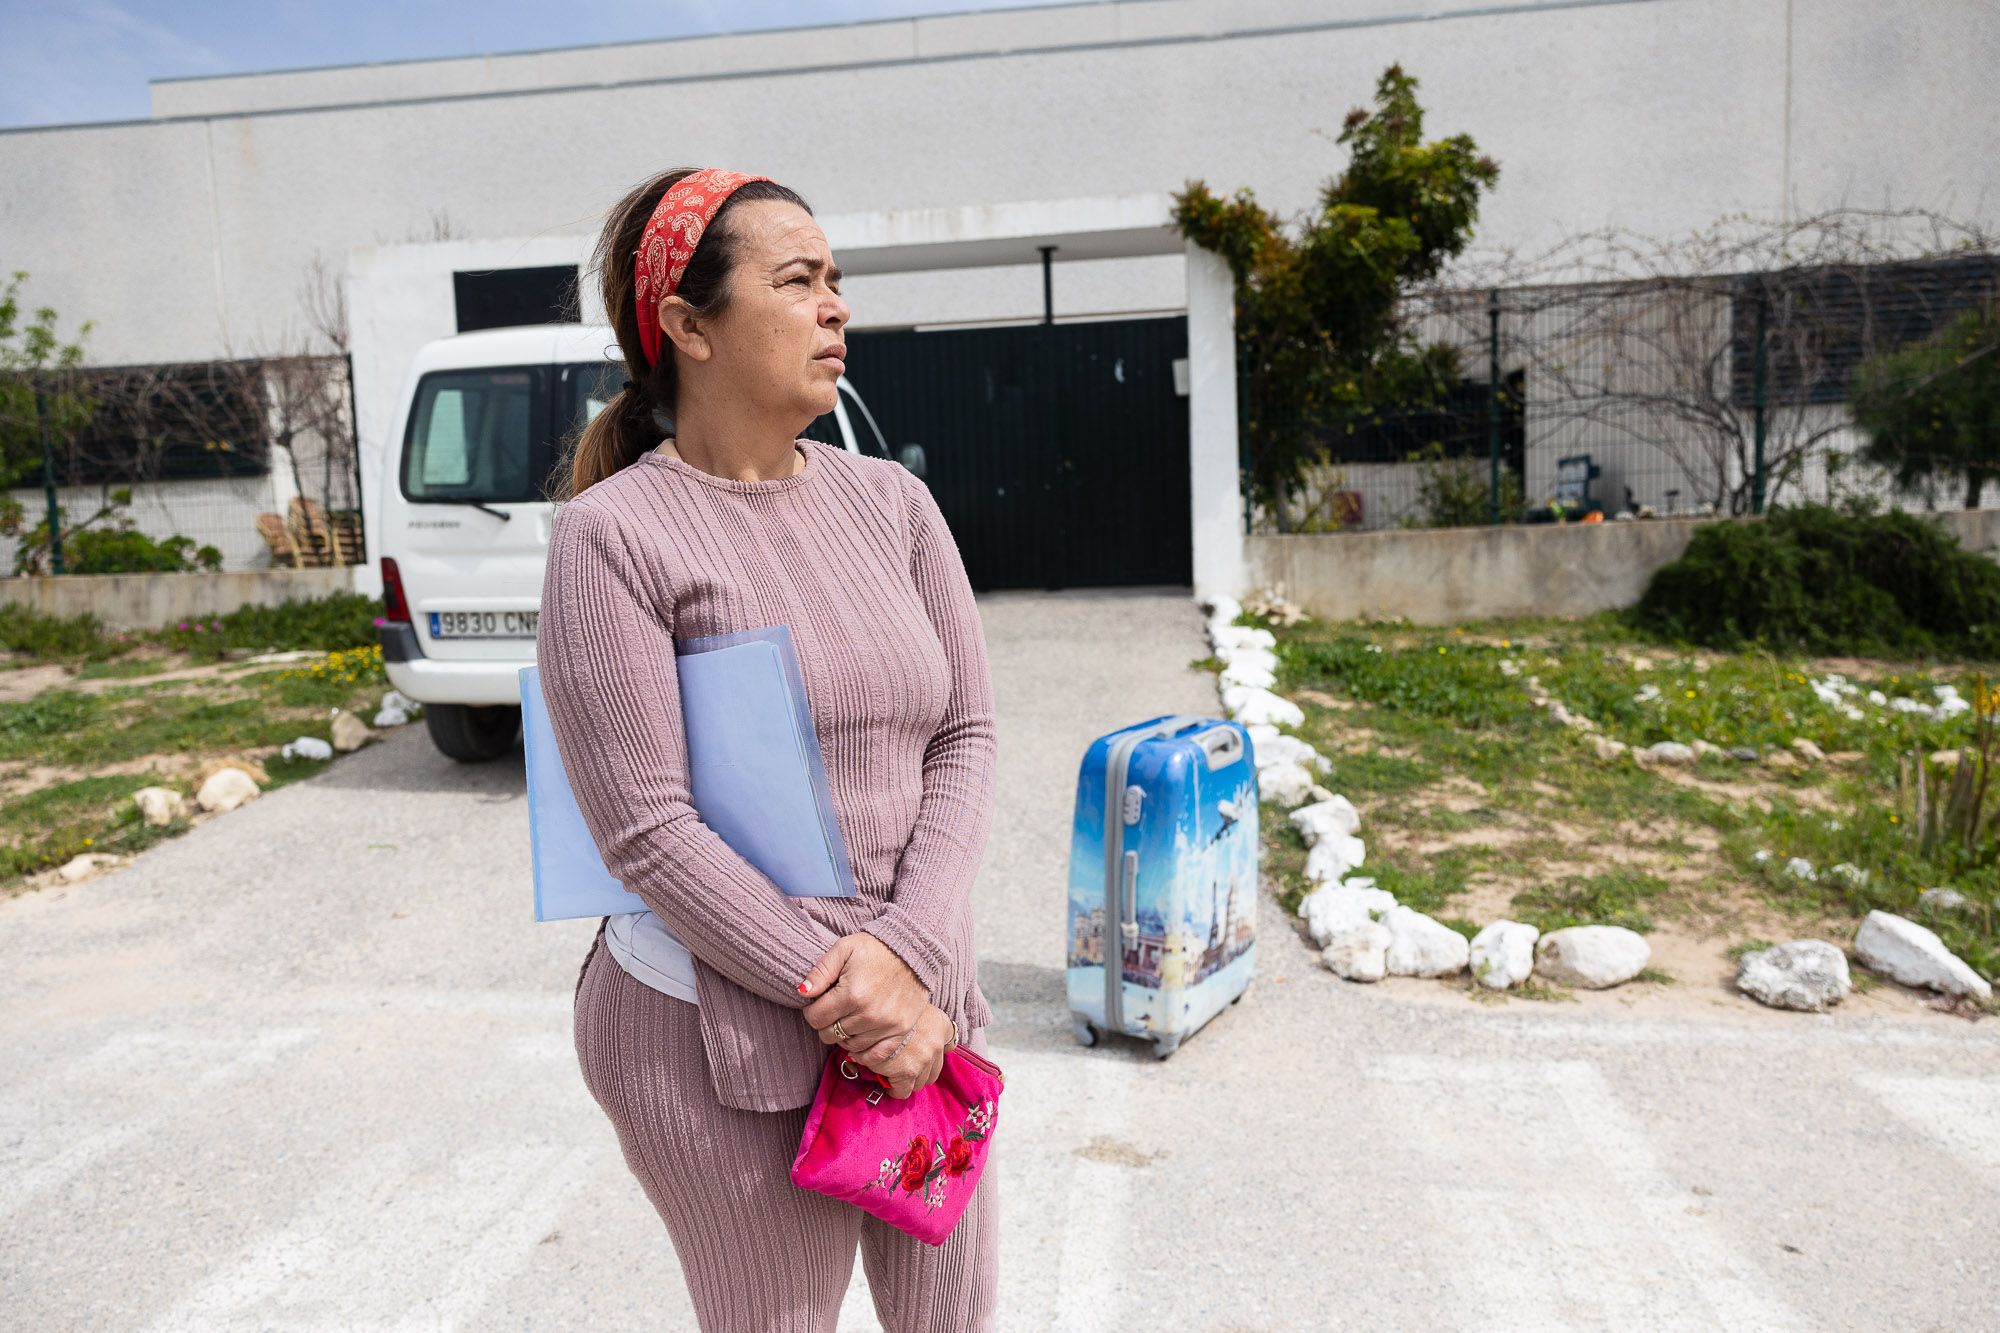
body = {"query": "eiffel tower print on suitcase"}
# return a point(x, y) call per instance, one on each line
point(1162, 879)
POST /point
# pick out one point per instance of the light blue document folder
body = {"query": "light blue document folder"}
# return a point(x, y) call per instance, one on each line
point(754, 767)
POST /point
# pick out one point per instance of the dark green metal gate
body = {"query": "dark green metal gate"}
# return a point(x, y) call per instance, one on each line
point(1057, 452)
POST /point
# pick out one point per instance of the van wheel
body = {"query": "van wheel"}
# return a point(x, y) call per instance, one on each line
point(473, 735)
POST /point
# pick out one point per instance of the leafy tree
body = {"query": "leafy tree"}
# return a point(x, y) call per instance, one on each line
point(33, 355)
point(1931, 408)
point(1317, 322)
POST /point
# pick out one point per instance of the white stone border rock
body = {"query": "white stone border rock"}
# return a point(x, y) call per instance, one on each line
point(1912, 954)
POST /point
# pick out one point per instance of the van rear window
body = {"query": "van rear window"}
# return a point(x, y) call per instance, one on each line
point(588, 389)
point(478, 435)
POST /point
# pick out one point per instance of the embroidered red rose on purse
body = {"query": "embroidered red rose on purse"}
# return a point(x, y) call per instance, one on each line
point(916, 1163)
point(958, 1157)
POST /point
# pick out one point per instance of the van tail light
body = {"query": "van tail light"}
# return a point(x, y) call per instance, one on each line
point(398, 606)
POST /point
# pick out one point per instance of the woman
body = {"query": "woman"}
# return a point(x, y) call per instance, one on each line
point(703, 1024)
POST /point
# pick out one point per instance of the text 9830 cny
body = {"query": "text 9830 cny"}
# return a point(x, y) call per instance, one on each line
point(483, 624)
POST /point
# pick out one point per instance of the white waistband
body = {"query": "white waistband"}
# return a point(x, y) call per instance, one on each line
point(648, 951)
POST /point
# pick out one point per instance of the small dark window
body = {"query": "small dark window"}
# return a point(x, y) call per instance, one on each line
point(509, 296)
point(201, 419)
point(1460, 423)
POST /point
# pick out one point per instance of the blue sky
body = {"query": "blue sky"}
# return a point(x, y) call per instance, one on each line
point(67, 61)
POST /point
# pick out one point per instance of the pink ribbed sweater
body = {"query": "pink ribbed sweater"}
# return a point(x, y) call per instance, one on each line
point(852, 553)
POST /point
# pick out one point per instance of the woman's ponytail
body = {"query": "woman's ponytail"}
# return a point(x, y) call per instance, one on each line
point(612, 439)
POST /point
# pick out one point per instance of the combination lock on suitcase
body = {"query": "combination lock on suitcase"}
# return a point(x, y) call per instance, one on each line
point(1162, 879)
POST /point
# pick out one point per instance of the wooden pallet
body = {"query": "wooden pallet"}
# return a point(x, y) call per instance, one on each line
point(307, 537)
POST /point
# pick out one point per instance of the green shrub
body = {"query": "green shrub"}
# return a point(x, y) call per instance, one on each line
point(129, 551)
point(28, 631)
point(1817, 579)
point(1457, 492)
point(343, 620)
point(104, 543)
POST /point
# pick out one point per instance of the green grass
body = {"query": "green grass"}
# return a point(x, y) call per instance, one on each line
point(1443, 820)
point(49, 826)
point(1619, 897)
point(123, 668)
point(1428, 886)
point(185, 719)
point(39, 726)
point(1440, 697)
point(1443, 681)
point(1380, 774)
point(111, 731)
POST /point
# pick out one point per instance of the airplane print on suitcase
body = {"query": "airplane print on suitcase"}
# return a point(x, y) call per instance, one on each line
point(1162, 879)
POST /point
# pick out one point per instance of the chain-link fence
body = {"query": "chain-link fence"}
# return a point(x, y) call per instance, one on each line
point(224, 465)
point(1672, 395)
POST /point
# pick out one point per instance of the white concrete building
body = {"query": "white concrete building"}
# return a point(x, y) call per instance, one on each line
point(941, 152)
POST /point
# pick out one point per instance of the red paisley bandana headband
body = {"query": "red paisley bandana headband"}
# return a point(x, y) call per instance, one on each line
point(669, 240)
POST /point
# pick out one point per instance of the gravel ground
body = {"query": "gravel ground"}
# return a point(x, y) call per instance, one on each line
point(310, 1066)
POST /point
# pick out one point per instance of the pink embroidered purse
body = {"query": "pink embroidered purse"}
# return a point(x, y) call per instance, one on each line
point(912, 1162)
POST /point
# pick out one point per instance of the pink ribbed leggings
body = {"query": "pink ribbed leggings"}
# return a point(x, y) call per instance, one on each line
point(760, 1255)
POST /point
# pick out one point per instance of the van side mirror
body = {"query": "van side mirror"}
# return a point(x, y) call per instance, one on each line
point(912, 456)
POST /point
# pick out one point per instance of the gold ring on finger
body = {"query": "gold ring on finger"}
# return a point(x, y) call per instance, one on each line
point(838, 1030)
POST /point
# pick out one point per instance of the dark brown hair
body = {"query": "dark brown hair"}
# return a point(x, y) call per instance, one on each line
point(626, 428)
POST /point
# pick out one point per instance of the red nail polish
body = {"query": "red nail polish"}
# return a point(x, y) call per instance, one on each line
point(803, 988)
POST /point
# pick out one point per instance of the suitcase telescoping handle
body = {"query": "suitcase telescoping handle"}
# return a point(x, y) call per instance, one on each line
point(1121, 867)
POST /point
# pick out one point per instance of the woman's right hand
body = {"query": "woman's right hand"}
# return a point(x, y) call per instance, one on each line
point(920, 1059)
point(860, 983)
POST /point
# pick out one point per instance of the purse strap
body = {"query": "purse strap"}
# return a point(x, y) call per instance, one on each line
point(853, 1072)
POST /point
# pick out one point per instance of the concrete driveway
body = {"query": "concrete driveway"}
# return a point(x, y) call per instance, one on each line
point(309, 1067)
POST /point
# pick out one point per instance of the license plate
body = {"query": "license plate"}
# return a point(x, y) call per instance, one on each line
point(483, 624)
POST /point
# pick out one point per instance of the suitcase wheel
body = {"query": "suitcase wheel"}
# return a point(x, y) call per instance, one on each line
point(1085, 1034)
point(1165, 1047)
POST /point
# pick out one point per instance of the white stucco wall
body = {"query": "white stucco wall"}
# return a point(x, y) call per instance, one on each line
point(187, 237)
point(1655, 114)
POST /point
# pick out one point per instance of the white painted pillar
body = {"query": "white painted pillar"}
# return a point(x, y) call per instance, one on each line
point(1219, 569)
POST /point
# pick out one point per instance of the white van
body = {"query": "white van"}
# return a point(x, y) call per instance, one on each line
point(465, 523)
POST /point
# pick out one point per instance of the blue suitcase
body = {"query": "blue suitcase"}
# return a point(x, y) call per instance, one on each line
point(1163, 875)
